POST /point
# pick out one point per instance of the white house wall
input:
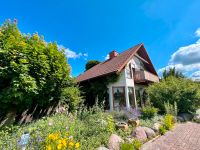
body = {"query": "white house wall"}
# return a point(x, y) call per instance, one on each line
point(124, 81)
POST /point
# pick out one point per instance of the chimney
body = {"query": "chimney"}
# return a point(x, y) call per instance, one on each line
point(113, 54)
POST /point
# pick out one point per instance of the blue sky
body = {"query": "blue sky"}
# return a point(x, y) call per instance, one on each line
point(90, 29)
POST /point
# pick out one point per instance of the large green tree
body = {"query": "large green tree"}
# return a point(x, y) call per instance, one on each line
point(91, 63)
point(172, 72)
point(32, 71)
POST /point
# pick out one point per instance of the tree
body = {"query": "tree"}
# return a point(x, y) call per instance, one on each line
point(172, 72)
point(183, 91)
point(91, 63)
point(32, 71)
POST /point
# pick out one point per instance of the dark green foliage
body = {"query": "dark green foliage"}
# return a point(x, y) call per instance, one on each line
point(91, 63)
point(184, 92)
point(149, 112)
point(32, 72)
point(98, 86)
point(172, 72)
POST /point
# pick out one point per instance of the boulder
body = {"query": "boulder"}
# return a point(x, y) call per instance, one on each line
point(139, 134)
point(114, 142)
point(180, 119)
point(186, 116)
point(134, 122)
point(149, 132)
point(102, 148)
point(156, 126)
point(197, 118)
point(122, 126)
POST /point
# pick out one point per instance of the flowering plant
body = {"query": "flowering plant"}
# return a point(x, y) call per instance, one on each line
point(58, 141)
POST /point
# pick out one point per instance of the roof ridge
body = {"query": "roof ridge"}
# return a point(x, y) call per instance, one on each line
point(113, 65)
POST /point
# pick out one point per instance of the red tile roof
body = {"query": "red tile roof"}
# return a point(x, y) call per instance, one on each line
point(109, 66)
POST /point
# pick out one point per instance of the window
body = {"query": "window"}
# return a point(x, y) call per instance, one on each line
point(131, 97)
point(119, 98)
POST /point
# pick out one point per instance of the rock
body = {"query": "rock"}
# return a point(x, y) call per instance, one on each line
point(134, 122)
point(197, 118)
point(180, 119)
point(156, 126)
point(149, 132)
point(114, 142)
point(139, 134)
point(122, 126)
point(186, 116)
point(102, 148)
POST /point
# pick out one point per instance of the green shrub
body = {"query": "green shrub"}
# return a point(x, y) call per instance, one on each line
point(171, 109)
point(168, 124)
point(149, 112)
point(162, 130)
point(127, 146)
point(184, 92)
point(150, 122)
point(137, 144)
point(134, 145)
point(168, 121)
point(120, 115)
point(110, 124)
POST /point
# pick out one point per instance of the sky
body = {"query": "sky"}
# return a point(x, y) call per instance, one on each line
point(90, 29)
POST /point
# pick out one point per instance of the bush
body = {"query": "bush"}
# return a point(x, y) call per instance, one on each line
point(127, 146)
point(137, 144)
point(168, 122)
point(149, 112)
point(134, 145)
point(150, 122)
point(162, 130)
point(171, 109)
point(184, 92)
point(33, 72)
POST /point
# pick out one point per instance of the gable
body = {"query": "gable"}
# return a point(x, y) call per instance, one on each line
point(116, 64)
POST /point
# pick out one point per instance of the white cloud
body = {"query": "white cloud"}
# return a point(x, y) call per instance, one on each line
point(107, 57)
point(186, 59)
point(71, 54)
point(196, 76)
point(197, 33)
point(187, 55)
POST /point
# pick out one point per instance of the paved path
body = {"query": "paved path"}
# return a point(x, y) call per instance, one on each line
point(183, 137)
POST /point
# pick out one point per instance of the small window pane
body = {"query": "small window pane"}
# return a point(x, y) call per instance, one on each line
point(131, 97)
point(119, 98)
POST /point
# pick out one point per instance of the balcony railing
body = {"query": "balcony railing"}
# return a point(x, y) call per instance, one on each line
point(145, 76)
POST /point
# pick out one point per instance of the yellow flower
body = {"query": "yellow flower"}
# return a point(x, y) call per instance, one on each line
point(77, 145)
point(59, 146)
point(51, 137)
point(60, 141)
point(49, 147)
point(71, 144)
point(64, 142)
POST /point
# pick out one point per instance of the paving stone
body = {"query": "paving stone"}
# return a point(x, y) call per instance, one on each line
point(184, 136)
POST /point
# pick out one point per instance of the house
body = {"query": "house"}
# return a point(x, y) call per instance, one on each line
point(136, 72)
